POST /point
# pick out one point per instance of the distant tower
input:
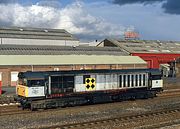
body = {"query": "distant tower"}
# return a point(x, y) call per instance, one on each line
point(131, 35)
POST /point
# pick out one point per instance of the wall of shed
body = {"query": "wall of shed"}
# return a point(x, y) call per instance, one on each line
point(7, 70)
point(154, 60)
point(39, 42)
point(106, 43)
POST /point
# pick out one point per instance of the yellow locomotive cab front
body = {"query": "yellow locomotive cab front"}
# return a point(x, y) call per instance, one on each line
point(22, 90)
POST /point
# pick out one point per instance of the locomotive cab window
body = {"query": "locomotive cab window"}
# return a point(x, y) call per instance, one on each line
point(22, 81)
point(37, 82)
point(156, 77)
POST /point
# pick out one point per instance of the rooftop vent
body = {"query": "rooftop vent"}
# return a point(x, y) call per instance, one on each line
point(166, 51)
point(46, 31)
point(153, 50)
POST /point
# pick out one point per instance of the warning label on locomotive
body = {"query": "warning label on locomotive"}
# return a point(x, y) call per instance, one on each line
point(90, 83)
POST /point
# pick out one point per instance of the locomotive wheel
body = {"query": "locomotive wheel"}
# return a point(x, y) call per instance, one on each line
point(33, 107)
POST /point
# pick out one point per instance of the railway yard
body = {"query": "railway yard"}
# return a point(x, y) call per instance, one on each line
point(160, 112)
point(49, 81)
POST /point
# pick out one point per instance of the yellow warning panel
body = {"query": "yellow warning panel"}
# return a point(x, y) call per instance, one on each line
point(21, 90)
point(90, 84)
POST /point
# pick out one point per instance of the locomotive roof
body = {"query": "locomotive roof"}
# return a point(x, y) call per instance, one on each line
point(43, 74)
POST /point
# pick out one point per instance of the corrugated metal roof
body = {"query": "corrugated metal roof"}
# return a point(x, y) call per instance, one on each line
point(147, 46)
point(35, 33)
point(57, 50)
point(67, 59)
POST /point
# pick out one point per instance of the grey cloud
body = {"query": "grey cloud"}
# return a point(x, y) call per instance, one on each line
point(48, 3)
point(123, 2)
point(7, 1)
point(74, 18)
point(170, 6)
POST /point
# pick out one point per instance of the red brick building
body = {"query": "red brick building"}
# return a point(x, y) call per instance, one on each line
point(17, 58)
point(39, 49)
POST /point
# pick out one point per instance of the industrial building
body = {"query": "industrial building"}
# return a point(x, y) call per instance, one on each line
point(42, 49)
point(17, 58)
point(36, 36)
point(158, 54)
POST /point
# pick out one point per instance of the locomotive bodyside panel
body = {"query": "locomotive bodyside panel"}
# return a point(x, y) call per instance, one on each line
point(36, 91)
point(100, 82)
point(115, 81)
point(79, 86)
point(157, 83)
point(25, 91)
point(110, 81)
point(107, 82)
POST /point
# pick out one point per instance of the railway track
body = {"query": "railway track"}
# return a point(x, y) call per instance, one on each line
point(13, 110)
point(169, 93)
point(144, 121)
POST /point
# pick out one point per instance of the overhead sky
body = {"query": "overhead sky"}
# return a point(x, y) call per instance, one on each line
point(97, 19)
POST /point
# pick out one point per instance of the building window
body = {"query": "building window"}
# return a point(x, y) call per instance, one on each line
point(14, 78)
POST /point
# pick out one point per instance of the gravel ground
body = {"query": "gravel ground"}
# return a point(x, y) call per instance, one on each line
point(85, 113)
point(8, 95)
point(6, 99)
point(171, 83)
point(9, 90)
point(172, 127)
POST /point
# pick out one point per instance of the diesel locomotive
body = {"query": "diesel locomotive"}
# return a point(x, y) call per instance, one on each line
point(51, 89)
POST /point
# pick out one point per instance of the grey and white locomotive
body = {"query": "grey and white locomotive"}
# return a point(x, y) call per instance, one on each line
point(51, 89)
